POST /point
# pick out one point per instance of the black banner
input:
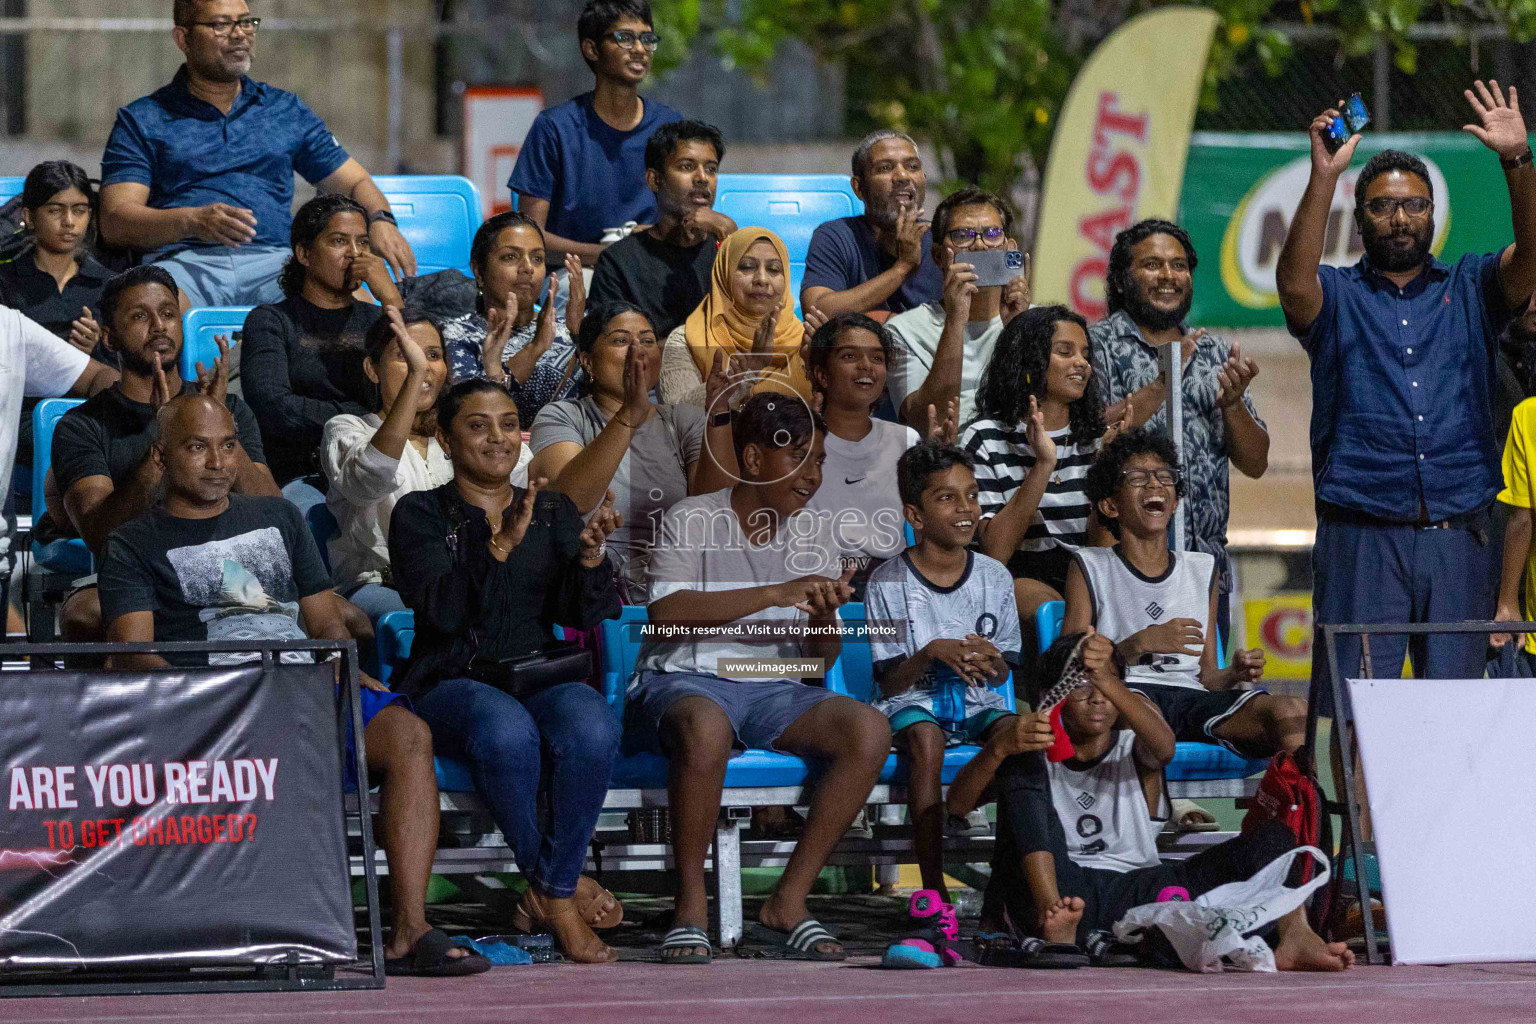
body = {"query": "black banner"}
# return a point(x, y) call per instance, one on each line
point(178, 817)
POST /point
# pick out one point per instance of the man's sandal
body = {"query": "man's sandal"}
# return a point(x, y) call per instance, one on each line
point(800, 943)
point(687, 937)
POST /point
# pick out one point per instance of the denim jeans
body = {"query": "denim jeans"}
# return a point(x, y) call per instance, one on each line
point(376, 601)
point(562, 739)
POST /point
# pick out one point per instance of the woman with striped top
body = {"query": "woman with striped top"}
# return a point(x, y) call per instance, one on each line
point(1039, 425)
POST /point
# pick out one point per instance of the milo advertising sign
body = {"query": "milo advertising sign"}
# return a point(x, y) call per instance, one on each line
point(1241, 190)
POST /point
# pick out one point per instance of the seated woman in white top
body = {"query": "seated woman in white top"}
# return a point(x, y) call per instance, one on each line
point(614, 438)
point(846, 360)
point(372, 461)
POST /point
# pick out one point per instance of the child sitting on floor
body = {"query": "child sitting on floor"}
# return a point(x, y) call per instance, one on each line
point(1077, 840)
point(956, 635)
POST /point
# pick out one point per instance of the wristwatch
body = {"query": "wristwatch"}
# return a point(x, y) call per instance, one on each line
point(1516, 161)
point(721, 419)
point(378, 215)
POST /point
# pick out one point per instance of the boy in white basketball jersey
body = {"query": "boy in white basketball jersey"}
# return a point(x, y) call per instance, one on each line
point(1159, 608)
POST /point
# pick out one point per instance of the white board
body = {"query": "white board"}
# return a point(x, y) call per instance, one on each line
point(496, 121)
point(1450, 770)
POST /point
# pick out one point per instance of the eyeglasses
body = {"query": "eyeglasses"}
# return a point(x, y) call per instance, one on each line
point(1143, 477)
point(224, 26)
point(968, 236)
point(1082, 695)
point(630, 40)
point(1386, 207)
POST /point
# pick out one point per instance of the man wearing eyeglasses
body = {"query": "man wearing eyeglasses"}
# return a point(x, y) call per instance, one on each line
point(200, 173)
point(1404, 458)
point(581, 171)
point(1149, 288)
point(943, 346)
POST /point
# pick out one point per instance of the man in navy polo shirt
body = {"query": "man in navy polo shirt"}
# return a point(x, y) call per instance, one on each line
point(581, 172)
point(881, 260)
point(200, 172)
point(1404, 458)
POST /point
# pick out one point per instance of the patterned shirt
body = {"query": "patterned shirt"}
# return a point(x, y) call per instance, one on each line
point(1004, 458)
point(464, 336)
point(1125, 363)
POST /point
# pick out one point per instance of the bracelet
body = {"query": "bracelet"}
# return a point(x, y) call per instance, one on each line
point(623, 423)
point(602, 549)
point(385, 215)
point(1514, 162)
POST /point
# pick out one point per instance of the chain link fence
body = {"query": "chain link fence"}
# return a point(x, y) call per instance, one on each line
point(1319, 72)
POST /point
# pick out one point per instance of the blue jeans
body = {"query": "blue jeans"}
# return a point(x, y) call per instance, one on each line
point(376, 601)
point(562, 739)
point(217, 275)
point(304, 493)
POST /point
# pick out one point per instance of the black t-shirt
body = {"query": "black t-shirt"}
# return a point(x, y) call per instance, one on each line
point(238, 575)
point(665, 280)
point(36, 294)
point(109, 435)
point(299, 366)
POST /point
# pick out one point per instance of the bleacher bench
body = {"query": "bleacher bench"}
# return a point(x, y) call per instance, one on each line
point(756, 778)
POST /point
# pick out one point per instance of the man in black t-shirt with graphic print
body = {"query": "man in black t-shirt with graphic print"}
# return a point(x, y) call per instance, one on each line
point(206, 564)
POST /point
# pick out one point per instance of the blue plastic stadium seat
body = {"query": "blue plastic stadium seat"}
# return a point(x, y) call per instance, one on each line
point(392, 638)
point(1200, 761)
point(61, 556)
point(323, 527)
point(10, 188)
point(1048, 622)
point(438, 215)
point(198, 327)
point(792, 206)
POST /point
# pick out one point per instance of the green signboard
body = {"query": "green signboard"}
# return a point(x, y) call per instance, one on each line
point(1240, 191)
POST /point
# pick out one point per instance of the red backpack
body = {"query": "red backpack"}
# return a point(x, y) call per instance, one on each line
point(1289, 795)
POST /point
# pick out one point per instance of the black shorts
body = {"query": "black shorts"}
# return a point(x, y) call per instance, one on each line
point(1048, 567)
point(1194, 715)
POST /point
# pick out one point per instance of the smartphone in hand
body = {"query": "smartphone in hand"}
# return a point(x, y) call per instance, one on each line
point(994, 267)
point(1350, 121)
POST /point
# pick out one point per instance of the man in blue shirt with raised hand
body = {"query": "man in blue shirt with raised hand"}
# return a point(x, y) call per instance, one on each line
point(199, 173)
point(882, 259)
point(1404, 458)
point(581, 171)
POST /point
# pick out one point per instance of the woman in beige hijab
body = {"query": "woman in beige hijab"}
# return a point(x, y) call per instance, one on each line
point(747, 321)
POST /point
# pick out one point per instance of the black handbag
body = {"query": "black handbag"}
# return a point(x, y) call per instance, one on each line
point(530, 673)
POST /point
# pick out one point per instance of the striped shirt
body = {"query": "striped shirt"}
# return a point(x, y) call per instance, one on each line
point(1004, 458)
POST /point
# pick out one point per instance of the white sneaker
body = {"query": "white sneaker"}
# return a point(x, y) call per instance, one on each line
point(974, 824)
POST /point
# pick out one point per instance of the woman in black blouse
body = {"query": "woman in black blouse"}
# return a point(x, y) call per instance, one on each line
point(489, 569)
point(55, 281)
point(301, 360)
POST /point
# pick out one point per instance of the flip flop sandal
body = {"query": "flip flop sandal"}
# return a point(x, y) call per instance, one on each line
point(1030, 952)
point(1182, 809)
point(1104, 950)
point(687, 937)
point(799, 944)
point(430, 958)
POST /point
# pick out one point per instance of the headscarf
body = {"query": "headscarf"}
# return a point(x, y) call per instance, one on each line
point(718, 323)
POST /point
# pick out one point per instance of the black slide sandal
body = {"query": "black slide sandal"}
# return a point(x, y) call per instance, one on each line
point(429, 959)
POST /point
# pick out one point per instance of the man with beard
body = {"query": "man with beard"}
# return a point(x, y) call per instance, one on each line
point(200, 172)
point(881, 259)
point(665, 269)
point(1149, 288)
point(101, 448)
point(1404, 458)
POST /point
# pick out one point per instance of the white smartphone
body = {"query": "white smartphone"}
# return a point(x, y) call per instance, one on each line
point(993, 267)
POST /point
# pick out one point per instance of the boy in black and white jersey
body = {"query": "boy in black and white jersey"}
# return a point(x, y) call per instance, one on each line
point(1159, 608)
